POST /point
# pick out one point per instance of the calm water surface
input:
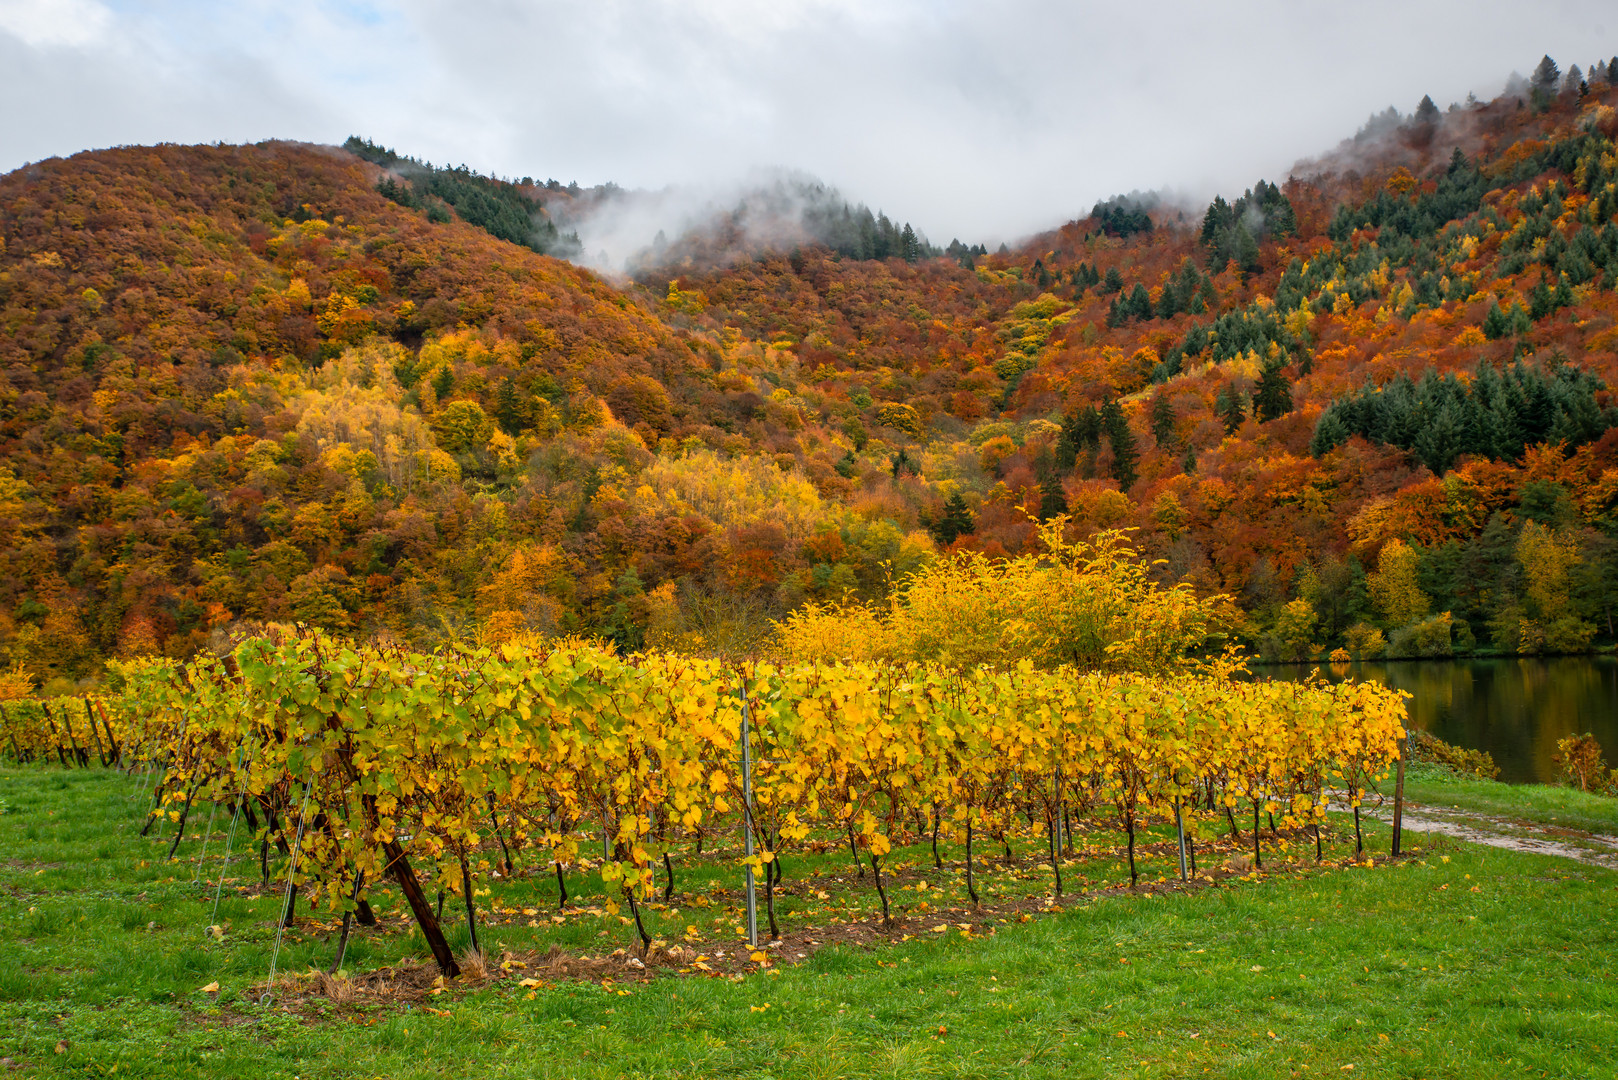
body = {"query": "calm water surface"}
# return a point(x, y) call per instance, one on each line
point(1515, 708)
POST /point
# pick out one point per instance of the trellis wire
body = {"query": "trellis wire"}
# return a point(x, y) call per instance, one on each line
point(207, 834)
point(286, 900)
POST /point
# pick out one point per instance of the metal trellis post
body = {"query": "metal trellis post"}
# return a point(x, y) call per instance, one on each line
point(747, 822)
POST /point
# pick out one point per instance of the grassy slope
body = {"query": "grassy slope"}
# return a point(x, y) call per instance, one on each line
point(1541, 804)
point(1402, 971)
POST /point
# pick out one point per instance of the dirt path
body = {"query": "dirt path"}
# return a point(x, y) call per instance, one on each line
point(1475, 828)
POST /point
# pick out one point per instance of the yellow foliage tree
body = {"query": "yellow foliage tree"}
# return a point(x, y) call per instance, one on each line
point(1550, 624)
point(1394, 588)
point(1092, 604)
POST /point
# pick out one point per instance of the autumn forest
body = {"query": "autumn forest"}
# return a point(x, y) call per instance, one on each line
point(1372, 401)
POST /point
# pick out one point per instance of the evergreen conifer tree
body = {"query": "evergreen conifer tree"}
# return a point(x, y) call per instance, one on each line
point(1244, 249)
point(1163, 418)
point(1052, 499)
point(1122, 441)
point(444, 382)
point(508, 410)
point(1273, 398)
point(1546, 77)
point(1496, 324)
point(1230, 409)
point(957, 521)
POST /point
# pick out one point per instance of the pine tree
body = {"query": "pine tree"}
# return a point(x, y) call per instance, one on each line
point(909, 245)
point(1426, 112)
point(1168, 304)
point(1540, 303)
point(508, 410)
point(1546, 77)
point(957, 521)
point(444, 382)
point(1562, 295)
point(1273, 398)
point(1112, 283)
point(1228, 406)
point(1122, 441)
point(1244, 249)
point(1163, 418)
point(1140, 302)
point(1052, 499)
point(1496, 324)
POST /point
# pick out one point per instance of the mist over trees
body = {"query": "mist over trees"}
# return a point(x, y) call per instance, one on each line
point(349, 392)
point(498, 207)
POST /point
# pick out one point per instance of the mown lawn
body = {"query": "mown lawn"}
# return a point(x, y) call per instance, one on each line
point(1458, 962)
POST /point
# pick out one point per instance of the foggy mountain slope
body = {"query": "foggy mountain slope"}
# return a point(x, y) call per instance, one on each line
point(243, 383)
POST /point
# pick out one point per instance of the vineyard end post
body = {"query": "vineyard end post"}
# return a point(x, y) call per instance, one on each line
point(1399, 801)
point(1179, 829)
point(747, 822)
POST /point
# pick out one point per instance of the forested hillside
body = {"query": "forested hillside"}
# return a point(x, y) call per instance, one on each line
point(1372, 401)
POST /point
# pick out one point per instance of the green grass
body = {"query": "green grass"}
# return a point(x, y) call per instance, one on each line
point(1400, 971)
point(1540, 804)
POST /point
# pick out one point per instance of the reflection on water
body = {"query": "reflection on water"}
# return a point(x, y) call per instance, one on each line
point(1515, 707)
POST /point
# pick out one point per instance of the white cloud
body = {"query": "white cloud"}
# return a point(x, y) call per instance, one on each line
point(44, 24)
point(983, 121)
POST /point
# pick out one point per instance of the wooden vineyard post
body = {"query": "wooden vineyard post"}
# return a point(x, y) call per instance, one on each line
point(1399, 801)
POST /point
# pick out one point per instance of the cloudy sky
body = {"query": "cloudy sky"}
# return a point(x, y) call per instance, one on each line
point(984, 120)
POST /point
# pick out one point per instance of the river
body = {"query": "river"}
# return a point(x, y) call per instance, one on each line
point(1516, 708)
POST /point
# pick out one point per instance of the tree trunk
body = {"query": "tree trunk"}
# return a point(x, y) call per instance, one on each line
point(431, 932)
point(876, 869)
point(640, 927)
point(769, 899)
point(1359, 838)
point(504, 851)
point(112, 742)
point(971, 889)
point(561, 888)
point(89, 718)
point(854, 851)
point(471, 904)
point(1129, 826)
point(1258, 859)
point(185, 812)
point(1235, 833)
point(668, 885)
point(290, 912)
point(938, 864)
point(348, 923)
point(1052, 825)
point(67, 724)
